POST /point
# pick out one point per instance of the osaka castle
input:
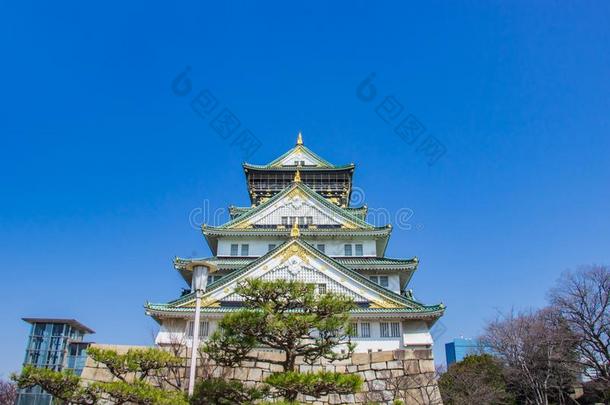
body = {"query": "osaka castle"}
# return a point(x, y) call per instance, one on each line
point(301, 226)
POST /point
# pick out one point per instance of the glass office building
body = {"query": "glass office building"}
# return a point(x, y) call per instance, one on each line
point(461, 347)
point(56, 344)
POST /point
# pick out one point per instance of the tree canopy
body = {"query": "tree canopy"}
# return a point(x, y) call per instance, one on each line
point(290, 317)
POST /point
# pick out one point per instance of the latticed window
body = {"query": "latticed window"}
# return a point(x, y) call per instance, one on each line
point(271, 246)
point(348, 250)
point(204, 328)
point(394, 329)
point(389, 329)
point(384, 329)
point(365, 330)
point(321, 247)
point(321, 288)
point(245, 248)
point(381, 280)
point(358, 249)
point(354, 330)
point(234, 249)
point(284, 220)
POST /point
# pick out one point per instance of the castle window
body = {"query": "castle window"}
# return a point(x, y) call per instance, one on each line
point(358, 249)
point(365, 330)
point(395, 329)
point(321, 247)
point(384, 329)
point(380, 280)
point(389, 329)
point(354, 330)
point(321, 288)
point(204, 328)
point(245, 249)
point(309, 220)
point(234, 249)
point(348, 250)
point(284, 220)
point(383, 281)
point(271, 246)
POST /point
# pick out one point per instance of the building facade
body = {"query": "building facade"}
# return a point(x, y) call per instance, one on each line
point(56, 344)
point(301, 226)
point(459, 348)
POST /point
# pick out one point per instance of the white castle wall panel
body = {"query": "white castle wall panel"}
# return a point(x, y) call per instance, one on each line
point(260, 246)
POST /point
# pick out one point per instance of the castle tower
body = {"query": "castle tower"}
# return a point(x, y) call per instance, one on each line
point(301, 226)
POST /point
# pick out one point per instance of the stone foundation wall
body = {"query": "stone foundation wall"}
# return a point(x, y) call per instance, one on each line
point(408, 375)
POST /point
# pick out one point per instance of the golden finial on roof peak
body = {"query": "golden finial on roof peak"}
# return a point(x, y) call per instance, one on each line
point(300, 139)
point(295, 232)
point(297, 176)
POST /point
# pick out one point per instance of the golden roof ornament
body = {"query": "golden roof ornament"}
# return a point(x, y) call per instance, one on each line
point(300, 139)
point(297, 176)
point(295, 232)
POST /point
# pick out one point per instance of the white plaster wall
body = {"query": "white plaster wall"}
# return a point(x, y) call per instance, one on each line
point(393, 282)
point(375, 342)
point(171, 331)
point(174, 331)
point(416, 333)
point(335, 248)
point(260, 246)
point(375, 345)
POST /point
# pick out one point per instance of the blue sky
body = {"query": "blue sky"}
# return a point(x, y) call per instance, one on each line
point(101, 163)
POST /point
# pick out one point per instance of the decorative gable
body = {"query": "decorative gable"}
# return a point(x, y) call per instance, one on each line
point(300, 156)
point(299, 202)
point(296, 204)
point(296, 260)
point(297, 270)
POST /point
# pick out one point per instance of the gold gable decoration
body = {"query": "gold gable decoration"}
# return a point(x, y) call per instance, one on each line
point(294, 250)
point(383, 304)
point(205, 303)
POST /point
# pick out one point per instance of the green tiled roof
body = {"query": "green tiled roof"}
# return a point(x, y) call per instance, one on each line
point(219, 231)
point(340, 212)
point(431, 309)
point(249, 166)
point(234, 212)
point(351, 262)
point(359, 212)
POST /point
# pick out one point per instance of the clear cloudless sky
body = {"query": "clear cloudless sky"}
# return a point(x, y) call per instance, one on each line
point(101, 164)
